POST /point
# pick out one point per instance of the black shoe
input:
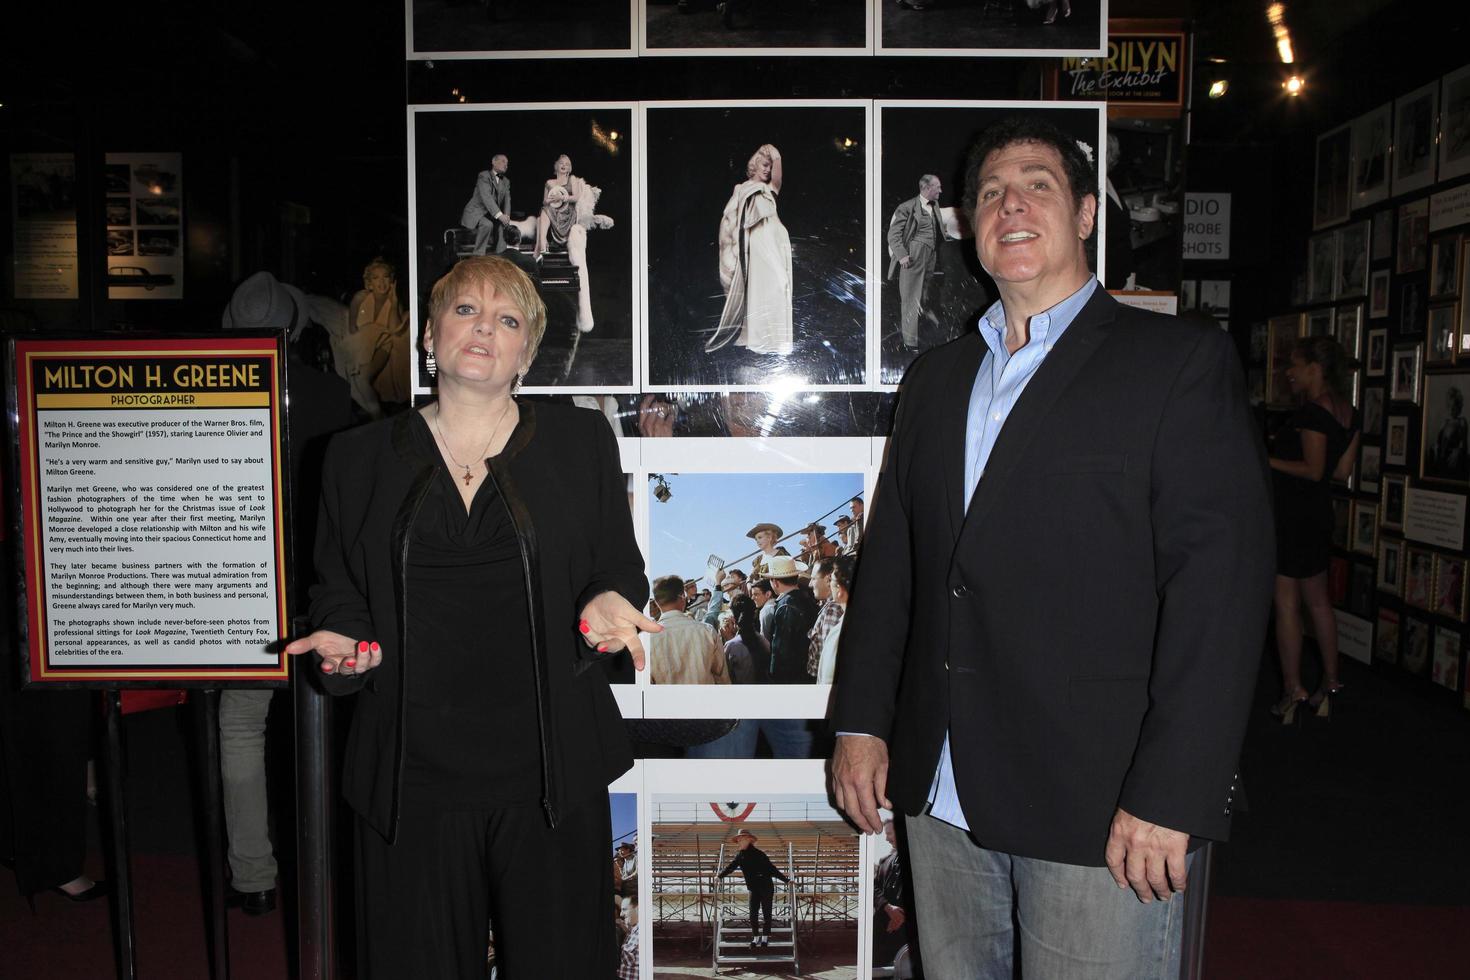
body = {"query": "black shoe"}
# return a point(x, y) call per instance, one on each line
point(98, 889)
point(254, 903)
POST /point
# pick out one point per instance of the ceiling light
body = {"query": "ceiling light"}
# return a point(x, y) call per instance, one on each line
point(1294, 85)
point(1218, 88)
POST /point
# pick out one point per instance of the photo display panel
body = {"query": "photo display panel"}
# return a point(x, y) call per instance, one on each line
point(152, 493)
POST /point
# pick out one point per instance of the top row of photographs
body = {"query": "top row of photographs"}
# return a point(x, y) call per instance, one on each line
point(441, 29)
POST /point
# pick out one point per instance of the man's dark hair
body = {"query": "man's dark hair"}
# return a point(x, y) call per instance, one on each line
point(1079, 171)
point(669, 588)
point(842, 570)
point(736, 571)
point(763, 584)
point(824, 566)
point(785, 579)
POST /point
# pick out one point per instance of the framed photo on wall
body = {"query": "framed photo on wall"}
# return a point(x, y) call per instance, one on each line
point(1442, 334)
point(1348, 329)
point(754, 29)
point(1372, 136)
point(1352, 260)
point(1413, 248)
point(1214, 297)
point(1445, 446)
point(914, 310)
point(1395, 491)
point(1373, 412)
point(1370, 468)
point(1444, 266)
point(1454, 125)
point(1188, 295)
point(1383, 235)
point(1449, 586)
point(1342, 519)
point(1412, 314)
point(1378, 294)
point(1416, 645)
point(1445, 668)
point(1418, 577)
point(564, 177)
point(1415, 132)
point(785, 303)
point(1321, 266)
point(1464, 328)
point(1375, 356)
point(1390, 576)
point(1405, 370)
point(1396, 452)
point(1365, 528)
point(1332, 187)
point(1386, 636)
point(573, 29)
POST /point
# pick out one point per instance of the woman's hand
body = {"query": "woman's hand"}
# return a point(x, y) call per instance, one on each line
point(610, 623)
point(340, 654)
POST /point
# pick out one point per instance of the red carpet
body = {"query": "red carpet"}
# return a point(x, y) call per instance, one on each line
point(1263, 939)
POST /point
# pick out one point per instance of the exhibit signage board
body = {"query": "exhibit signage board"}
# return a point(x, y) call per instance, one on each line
point(151, 500)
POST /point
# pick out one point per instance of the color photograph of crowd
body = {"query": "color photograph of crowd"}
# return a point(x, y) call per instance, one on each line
point(765, 607)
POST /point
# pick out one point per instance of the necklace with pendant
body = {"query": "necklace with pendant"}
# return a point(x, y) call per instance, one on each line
point(468, 476)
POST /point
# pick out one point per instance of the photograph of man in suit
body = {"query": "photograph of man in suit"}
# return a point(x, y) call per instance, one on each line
point(1071, 563)
point(914, 234)
point(488, 212)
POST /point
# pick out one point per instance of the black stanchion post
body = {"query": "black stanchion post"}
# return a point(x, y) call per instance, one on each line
point(1196, 910)
point(206, 718)
point(125, 944)
point(314, 884)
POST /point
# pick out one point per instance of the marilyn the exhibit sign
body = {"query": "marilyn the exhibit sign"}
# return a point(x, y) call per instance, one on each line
point(152, 509)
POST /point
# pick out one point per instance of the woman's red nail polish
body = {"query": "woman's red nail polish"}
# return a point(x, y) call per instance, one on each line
point(374, 647)
point(326, 667)
point(602, 648)
point(585, 626)
point(362, 646)
point(350, 663)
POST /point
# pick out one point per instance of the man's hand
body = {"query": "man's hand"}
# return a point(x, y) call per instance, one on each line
point(1146, 857)
point(610, 623)
point(860, 780)
point(895, 918)
point(903, 263)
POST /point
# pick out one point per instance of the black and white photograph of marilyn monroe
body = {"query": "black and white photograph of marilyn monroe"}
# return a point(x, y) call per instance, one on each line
point(755, 230)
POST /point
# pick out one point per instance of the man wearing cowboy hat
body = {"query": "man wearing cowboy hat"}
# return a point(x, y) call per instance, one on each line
point(815, 546)
point(796, 610)
point(627, 865)
point(759, 872)
point(765, 535)
point(845, 535)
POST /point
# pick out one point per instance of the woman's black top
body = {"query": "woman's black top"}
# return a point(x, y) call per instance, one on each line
point(1304, 507)
point(471, 695)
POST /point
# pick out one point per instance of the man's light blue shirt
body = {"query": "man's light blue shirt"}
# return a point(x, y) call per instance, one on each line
point(998, 386)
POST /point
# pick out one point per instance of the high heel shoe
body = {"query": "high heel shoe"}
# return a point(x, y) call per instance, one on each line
point(1286, 708)
point(1321, 701)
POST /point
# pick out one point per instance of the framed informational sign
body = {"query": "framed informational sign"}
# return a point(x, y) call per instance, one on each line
point(151, 508)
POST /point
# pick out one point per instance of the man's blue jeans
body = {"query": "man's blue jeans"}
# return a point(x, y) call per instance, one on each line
point(981, 912)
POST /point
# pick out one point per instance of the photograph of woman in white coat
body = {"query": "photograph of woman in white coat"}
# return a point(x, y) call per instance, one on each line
point(755, 262)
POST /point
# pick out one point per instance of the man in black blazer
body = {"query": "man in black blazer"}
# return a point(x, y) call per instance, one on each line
point(1071, 564)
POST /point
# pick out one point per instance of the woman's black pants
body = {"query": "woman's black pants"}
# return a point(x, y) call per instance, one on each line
point(427, 901)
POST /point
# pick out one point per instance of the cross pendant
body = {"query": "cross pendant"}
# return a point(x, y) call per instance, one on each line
point(468, 479)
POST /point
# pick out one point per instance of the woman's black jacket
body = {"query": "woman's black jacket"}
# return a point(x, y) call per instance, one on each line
point(562, 478)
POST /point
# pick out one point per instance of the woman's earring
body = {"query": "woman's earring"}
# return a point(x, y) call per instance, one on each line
point(515, 386)
point(430, 364)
